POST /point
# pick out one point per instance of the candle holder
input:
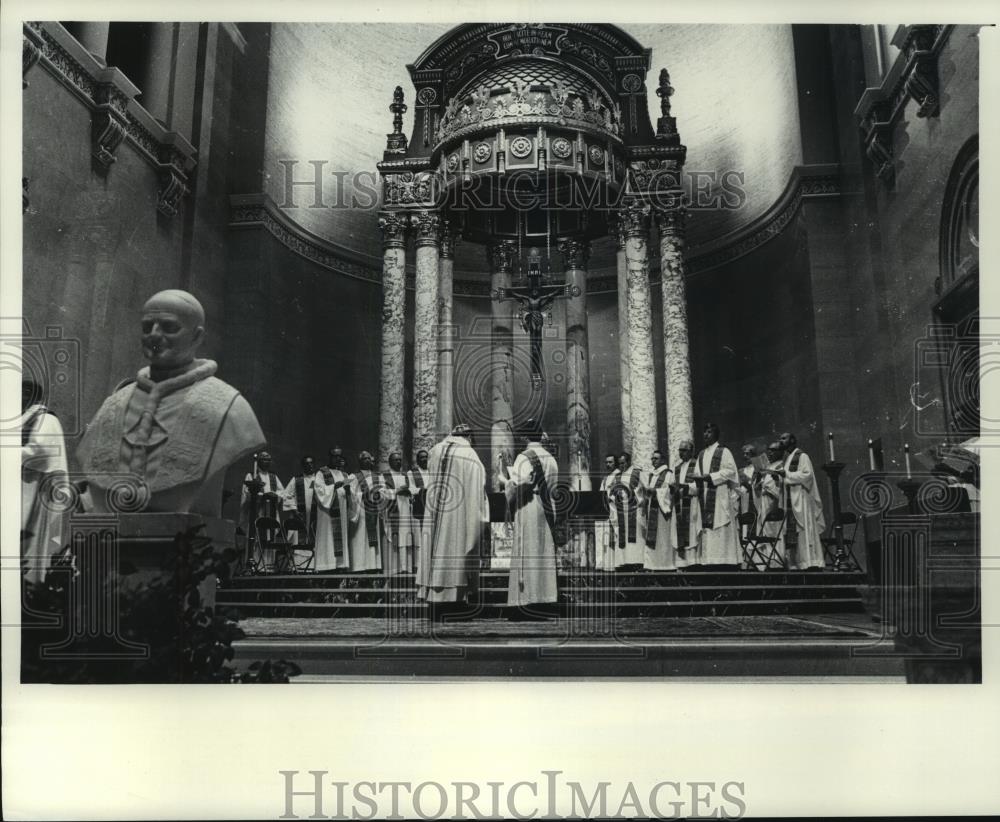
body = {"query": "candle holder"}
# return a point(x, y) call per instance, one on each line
point(842, 559)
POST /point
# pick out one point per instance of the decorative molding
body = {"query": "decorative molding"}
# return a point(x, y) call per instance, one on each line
point(501, 256)
point(575, 252)
point(116, 116)
point(633, 218)
point(393, 226)
point(427, 227)
point(913, 76)
point(449, 240)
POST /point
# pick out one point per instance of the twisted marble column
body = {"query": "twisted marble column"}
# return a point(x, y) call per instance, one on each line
point(676, 354)
point(502, 256)
point(576, 253)
point(390, 428)
point(426, 228)
point(635, 226)
point(623, 352)
point(446, 332)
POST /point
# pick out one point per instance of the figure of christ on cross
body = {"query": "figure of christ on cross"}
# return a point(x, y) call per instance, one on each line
point(534, 299)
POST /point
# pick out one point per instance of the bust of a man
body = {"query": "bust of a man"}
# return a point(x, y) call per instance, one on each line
point(177, 428)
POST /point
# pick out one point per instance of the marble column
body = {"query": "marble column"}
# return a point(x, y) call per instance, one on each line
point(635, 226)
point(391, 411)
point(155, 82)
point(676, 356)
point(623, 353)
point(576, 253)
point(93, 36)
point(427, 237)
point(446, 335)
point(502, 256)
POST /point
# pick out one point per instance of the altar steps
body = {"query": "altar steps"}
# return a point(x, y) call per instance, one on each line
point(583, 594)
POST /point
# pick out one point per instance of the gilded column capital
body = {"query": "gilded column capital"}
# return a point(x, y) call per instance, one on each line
point(393, 225)
point(449, 239)
point(427, 228)
point(502, 255)
point(634, 219)
point(671, 220)
point(575, 252)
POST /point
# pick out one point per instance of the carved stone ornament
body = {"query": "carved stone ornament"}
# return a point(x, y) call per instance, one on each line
point(108, 132)
point(502, 255)
point(562, 148)
point(427, 227)
point(633, 219)
point(172, 190)
point(576, 253)
point(631, 83)
point(453, 163)
point(671, 220)
point(393, 227)
point(482, 152)
point(520, 147)
point(449, 239)
point(596, 154)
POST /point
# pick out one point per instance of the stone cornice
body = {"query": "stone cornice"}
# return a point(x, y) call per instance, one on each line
point(913, 75)
point(806, 183)
point(116, 116)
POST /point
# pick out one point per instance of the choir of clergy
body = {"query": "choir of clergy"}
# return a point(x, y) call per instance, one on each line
point(429, 520)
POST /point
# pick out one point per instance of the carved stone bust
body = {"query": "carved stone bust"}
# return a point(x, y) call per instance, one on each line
point(163, 442)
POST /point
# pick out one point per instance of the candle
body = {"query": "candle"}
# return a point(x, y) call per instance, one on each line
point(830, 438)
point(871, 455)
point(906, 455)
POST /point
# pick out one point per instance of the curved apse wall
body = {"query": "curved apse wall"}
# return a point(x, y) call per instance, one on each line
point(330, 86)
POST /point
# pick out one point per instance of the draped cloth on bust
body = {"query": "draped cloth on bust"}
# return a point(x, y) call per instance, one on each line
point(175, 437)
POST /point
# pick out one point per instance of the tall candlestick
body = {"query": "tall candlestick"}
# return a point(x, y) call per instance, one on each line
point(906, 456)
point(830, 438)
point(871, 455)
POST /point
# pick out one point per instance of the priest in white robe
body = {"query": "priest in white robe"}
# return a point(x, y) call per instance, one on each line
point(717, 478)
point(604, 530)
point(771, 500)
point(334, 515)
point(262, 498)
point(367, 500)
point(686, 521)
point(630, 549)
point(400, 543)
point(43, 480)
point(661, 538)
point(804, 547)
point(533, 579)
point(456, 519)
point(418, 478)
point(299, 507)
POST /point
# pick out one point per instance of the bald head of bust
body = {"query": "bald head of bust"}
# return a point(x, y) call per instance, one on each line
point(173, 326)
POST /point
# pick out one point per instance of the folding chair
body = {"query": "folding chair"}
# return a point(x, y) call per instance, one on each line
point(301, 555)
point(751, 553)
point(762, 549)
point(849, 523)
point(272, 555)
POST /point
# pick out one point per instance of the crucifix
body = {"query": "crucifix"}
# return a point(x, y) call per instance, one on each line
point(535, 300)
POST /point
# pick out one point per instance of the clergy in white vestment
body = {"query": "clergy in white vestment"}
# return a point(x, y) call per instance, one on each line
point(627, 491)
point(534, 473)
point(604, 530)
point(717, 478)
point(686, 521)
point(749, 488)
point(367, 499)
point(455, 519)
point(661, 538)
point(770, 500)
point(299, 508)
point(804, 546)
point(262, 498)
point(43, 479)
point(334, 515)
point(418, 478)
point(399, 546)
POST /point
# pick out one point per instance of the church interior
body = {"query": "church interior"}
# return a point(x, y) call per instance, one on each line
point(792, 245)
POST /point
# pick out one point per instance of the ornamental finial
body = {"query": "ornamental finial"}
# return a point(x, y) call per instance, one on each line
point(395, 143)
point(666, 126)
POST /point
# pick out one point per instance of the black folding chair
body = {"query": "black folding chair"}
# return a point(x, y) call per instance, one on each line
point(270, 536)
point(762, 549)
point(294, 524)
point(849, 523)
